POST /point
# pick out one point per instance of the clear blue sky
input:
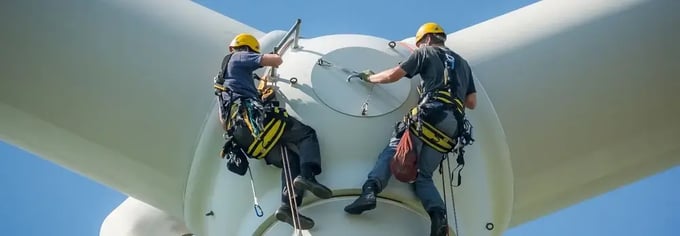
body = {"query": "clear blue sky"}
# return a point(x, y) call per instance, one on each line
point(39, 198)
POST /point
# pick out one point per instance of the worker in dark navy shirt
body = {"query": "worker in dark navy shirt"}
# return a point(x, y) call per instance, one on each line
point(428, 61)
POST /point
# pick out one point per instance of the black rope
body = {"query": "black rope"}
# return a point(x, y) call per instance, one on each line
point(446, 208)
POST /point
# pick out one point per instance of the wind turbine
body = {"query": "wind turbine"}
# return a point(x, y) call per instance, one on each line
point(575, 98)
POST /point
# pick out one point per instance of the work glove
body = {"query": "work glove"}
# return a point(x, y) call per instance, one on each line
point(364, 75)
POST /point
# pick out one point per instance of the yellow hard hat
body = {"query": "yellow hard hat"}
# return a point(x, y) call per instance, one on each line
point(428, 28)
point(245, 40)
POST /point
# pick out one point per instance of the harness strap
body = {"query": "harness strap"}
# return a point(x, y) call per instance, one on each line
point(433, 137)
point(445, 97)
point(265, 138)
point(253, 114)
point(266, 91)
point(218, 85)
point(426, 131)
point(219, 79)
point(464, 139)
point(271, 134)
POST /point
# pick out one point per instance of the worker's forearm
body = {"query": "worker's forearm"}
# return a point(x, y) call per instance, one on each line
point(386, 76)
point(379, 78)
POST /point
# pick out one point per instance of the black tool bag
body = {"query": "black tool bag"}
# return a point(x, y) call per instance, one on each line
point(237, 160)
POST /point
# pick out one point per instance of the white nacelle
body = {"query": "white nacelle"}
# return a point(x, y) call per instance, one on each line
point(351, 136)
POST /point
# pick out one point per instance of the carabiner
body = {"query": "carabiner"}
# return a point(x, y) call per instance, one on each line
point(364, 108)
point(258, 210)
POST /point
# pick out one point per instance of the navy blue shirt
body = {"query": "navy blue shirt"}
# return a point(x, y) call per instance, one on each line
point(239, 76)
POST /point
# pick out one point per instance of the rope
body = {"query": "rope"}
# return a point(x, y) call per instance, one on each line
point(326, 63)
point(453, 198)
point(291, 190)
point(256, 206)
point(446, 208)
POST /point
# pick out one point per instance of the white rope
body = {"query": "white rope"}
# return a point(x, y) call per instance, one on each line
point(291, 191)
point(256, 206)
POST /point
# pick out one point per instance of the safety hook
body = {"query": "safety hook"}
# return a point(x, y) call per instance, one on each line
point(364, 108)
point(258, 210)
point(354, 75)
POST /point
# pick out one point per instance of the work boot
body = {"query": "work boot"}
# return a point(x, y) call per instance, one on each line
point(310, 184)
point(439, 226)
point(366, 200)
point(284, 214)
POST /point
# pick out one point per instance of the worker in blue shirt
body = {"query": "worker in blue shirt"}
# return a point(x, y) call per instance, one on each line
point(239, 87)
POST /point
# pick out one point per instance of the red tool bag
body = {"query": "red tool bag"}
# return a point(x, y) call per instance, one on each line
point(404, 163)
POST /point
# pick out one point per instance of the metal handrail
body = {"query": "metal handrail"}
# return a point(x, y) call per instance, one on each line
point(280, 49)
point(295, 29)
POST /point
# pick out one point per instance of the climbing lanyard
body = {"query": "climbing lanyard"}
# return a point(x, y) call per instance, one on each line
point(328, 64)
point(453, 198)
point(290, 190)
point(256, 206)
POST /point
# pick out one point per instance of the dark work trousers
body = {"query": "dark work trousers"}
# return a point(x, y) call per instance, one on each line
point(306, 157)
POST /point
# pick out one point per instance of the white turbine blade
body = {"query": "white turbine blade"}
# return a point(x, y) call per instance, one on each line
point(114, 90)
point(586, 92)
point(133, 217)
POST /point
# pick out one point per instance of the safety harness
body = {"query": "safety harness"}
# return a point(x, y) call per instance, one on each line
point(435, 138)
point(265, 120)
point(428, 133)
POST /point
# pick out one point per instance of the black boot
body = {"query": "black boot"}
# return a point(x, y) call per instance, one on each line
point(366, 200)
point(284, 214)
point(439, 226)
point(310, 184)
